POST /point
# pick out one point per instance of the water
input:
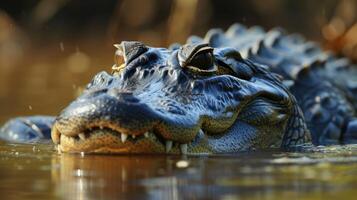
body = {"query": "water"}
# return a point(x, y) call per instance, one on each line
point(38, 172)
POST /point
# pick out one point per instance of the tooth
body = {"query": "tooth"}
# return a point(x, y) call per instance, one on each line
point(183, 148)
point(117, 46)
point(59, 149)
point(168, 145)
point(55, 135)
point(101, 127)
point(146, 134)
point(133, 136)
point(82, 136)
point(201, 132)
point(123, 137)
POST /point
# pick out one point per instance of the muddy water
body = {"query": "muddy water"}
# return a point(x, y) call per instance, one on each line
point(38, 172)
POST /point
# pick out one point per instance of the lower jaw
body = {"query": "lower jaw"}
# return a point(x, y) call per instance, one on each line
point(110, 143)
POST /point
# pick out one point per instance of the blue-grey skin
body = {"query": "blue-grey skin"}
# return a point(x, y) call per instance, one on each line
point(325, 86)
point(28, 129)
point(192, 99)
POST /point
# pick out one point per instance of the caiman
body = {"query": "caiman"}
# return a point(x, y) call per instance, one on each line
point(231, 91)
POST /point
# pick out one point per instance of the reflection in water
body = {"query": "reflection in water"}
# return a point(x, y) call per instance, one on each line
point(103, 177)
point(37, 172)
point(152, 177)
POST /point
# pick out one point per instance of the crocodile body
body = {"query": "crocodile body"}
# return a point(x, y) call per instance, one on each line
point(324, 85)
point(230, 91)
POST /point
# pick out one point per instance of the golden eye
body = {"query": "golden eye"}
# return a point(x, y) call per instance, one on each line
point(118, 60)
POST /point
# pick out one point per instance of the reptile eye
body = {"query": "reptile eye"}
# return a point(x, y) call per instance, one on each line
point(202, 60)
point(118, 60)
point(198, 58)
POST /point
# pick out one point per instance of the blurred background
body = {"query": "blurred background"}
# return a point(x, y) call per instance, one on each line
point(49, 49)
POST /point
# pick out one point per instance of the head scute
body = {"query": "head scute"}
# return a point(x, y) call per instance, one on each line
point(129, 50)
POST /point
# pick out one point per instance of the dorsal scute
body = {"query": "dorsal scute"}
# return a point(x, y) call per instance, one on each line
point(215, 37)
point(272, 35)
point(235, 30)
point(290, 55)
point(194, 39)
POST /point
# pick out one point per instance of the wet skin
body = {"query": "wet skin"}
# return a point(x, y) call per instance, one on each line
point(324, 85)
point(192, 99)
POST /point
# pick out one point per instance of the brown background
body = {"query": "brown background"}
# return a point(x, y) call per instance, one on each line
point(51, 48)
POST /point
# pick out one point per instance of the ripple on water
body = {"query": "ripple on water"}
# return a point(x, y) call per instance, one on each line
point(310, 173)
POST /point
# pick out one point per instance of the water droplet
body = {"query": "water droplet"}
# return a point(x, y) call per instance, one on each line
point(182, 164)
point(61, 46)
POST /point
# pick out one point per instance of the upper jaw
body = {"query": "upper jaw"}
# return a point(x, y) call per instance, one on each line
point(148, 142)
point(127, 124)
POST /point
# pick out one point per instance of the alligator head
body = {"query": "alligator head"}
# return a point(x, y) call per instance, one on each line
point(192, 99)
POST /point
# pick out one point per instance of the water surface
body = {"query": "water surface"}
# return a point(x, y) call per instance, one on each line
point(38, 172)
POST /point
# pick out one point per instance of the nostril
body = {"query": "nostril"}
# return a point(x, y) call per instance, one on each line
point(350, 136)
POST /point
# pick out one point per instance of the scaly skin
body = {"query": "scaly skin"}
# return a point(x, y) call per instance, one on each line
point(324, 86)
point(194, 99)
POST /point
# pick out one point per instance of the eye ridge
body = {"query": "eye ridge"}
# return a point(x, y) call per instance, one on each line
point(202, 61)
